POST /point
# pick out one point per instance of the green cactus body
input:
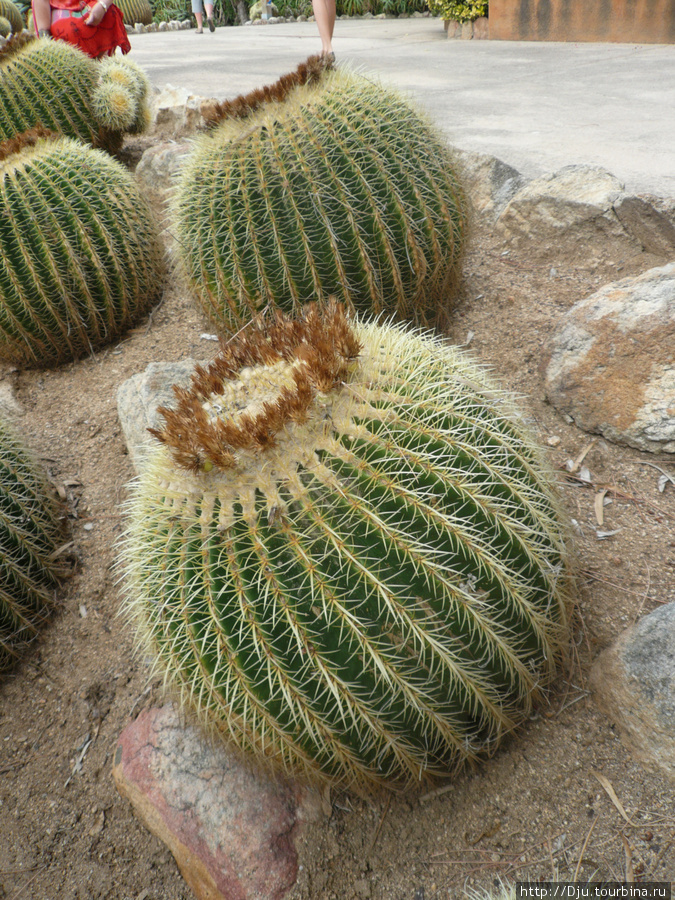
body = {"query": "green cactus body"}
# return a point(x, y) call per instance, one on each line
point(346, 555)
point(135, 12)
point(80, 261)
point(118, 72)
point(5, 27)
point(49, 83)
point(334, 188)
point(54, 84)
point(12, 13)
point(29, 536)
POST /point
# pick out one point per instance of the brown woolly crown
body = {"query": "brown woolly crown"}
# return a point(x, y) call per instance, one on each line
point(309, 72)
point(16, 43)
point(28, 138)
point(319, 344)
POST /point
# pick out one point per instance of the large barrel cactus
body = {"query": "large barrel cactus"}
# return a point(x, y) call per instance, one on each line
point(54, 84)
point(324, 184)
point(345, 552)
point(80, 260)
point(29, 538)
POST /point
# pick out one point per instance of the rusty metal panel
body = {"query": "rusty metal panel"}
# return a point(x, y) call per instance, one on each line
point(630, 21)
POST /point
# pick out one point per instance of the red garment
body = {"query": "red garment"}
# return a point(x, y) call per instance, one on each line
point(94, 40)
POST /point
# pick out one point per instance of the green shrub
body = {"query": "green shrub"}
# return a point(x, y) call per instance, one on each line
point(345, 553)
point(29, 537)
point(80, 261)
point(324, 184)
point(459, 10)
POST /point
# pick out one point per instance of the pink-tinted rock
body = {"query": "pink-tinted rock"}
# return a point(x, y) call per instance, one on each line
point(232, 831)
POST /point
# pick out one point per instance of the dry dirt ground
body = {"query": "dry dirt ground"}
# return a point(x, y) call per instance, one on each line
point(537, 810)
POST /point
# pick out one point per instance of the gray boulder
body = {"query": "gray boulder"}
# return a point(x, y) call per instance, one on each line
point(650, 220)
point(634, 685)
point(138, 398)
point(610, 364)
point(563, 212)
point(488, 182)
point(159, 165)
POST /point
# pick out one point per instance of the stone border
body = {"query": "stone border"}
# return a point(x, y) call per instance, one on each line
point(466, 31)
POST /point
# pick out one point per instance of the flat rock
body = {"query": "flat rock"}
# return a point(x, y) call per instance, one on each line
point(489, 183)
point(610, 364)
point(232, 832)
point(138, 398)
point(633, 683)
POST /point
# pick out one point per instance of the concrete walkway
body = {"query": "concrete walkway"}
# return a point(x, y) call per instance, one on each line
point(537, 106)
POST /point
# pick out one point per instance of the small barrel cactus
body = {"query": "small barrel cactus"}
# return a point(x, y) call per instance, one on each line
point(75, 95)
point(345, 552)
point(80, 260)
point(135, 12)
point(5, 27)
point(11, 12)
point(324, 184)
point(29, 537)
point(124, 74)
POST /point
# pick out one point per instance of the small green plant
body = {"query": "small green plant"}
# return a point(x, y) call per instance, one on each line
point(323, 184)
point(459, 10)
point(345, 553)
point(80, 261)
point(29, 538)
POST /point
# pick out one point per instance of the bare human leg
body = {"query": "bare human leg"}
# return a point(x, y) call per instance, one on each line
point(200, 22)
point(324, 14)
point(42, 16)
point(209, 16)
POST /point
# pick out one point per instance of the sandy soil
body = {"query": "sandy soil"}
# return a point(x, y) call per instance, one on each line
point(535, 811)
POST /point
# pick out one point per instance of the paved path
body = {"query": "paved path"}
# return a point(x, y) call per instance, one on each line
point(538, 106)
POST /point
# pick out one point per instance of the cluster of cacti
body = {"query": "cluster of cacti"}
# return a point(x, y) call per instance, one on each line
point(135, 11)
point(121, 97)
point(324, 184)
point(54, 84)
point(80, 260)
point(345, 552)
point(11, 12)
point(29, 539)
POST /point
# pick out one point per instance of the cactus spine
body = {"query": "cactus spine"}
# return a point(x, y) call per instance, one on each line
point(80, 261)
point(325, 184)
point(345, 552)
point(29, 534)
